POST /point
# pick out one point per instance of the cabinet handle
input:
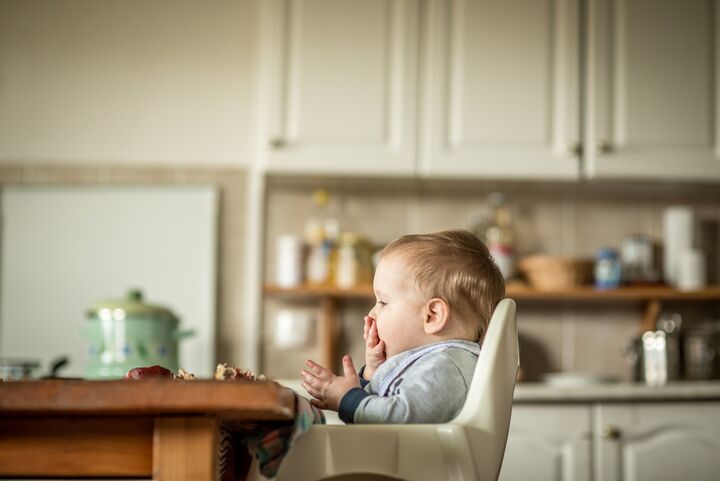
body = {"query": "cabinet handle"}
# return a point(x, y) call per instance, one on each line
point(612, 432)
point(277, 143)
point(603, 147)
point(575, 149)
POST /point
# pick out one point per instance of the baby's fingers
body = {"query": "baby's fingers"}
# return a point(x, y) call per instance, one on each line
point(311, 390)
point(380, 348)
point(319, 404)
point(369, 321)
point(374, 333)
point(311, 384)
point(317, 370)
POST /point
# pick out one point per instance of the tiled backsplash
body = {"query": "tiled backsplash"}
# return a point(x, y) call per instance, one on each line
point(564, 219)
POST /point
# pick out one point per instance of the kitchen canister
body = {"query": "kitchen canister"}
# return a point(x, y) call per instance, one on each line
point(293, 328)
point(691, 270)
point(654, 351)
point(700, 351)
point(637, 259)
point(678, 236)
point(289, 261)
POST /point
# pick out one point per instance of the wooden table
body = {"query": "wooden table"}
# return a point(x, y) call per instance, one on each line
point(159, 429)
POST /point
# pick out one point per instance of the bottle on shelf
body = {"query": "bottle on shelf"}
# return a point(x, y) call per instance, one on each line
point(321, 237)
point(354, 266)
point(607, 269)
point(498, 233)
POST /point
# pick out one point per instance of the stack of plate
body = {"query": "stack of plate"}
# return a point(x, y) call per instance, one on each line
point(575, 379)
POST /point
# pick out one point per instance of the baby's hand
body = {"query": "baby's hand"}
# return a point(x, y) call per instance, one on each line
point(327, 388)
point(374, 348)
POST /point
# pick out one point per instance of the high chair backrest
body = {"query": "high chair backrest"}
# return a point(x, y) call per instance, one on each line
point(486, 413)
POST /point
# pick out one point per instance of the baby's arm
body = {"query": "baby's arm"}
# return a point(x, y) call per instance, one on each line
point(432, 391)
point(327, 388)
point(374, 348)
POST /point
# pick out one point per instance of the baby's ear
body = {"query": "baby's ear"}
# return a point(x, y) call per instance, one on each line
point(437, 313)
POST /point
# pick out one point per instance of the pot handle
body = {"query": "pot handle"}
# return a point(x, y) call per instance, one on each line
point(180, 334)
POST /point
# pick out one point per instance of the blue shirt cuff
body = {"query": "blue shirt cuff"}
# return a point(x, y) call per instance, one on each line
point(363, 382)
point(349, 404)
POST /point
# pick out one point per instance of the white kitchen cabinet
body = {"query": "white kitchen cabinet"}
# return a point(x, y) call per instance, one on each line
point(653, 85)
point(489, 89)
point(624, 441)
point(658, 442)
point(339, 86)
point(548, 443)
point(500, 89)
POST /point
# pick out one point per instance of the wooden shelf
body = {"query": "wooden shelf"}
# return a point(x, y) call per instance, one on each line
point(522, 292)
point(330, 298)
point(589, 293)
point(315, 292)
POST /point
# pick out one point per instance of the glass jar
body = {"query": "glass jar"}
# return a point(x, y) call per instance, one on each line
point(353, 262)
point(607, 269)
point(500, 235)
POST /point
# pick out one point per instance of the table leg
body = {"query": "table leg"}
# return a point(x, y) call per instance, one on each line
point(185, 448)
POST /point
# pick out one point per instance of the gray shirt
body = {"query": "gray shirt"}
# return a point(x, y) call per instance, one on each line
point(428, 384)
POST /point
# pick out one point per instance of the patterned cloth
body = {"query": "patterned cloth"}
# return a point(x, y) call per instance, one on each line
point(270, 442)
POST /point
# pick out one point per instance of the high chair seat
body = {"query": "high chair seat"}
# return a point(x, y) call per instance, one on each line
point(470, 447)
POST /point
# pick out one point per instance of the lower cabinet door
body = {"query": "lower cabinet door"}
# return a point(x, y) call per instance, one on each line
point(659, 441)
point(548, 443)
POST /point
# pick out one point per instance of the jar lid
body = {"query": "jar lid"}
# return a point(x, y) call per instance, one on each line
point(349, 238)
point(131, 306)
point(607, 253)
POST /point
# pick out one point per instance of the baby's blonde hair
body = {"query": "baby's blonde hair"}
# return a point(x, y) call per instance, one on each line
point(455, 266)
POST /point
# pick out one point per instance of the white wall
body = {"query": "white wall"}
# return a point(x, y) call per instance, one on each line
point(66, 248)
point(127, 81)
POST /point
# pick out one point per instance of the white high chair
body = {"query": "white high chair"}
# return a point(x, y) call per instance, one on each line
point(470, 447)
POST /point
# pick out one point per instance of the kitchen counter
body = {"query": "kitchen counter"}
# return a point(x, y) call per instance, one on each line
point(617, 392)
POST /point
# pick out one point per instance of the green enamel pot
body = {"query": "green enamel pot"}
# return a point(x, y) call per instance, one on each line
point(126, 333)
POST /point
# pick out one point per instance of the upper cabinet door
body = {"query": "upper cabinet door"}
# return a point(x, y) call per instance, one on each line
point(501, 92)
point(654, 89)
point(339, 86)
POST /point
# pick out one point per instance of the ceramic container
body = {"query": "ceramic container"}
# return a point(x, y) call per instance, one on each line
point(127, 333)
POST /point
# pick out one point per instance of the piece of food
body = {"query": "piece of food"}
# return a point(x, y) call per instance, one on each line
point(225, 371)
point(186, 375)
point(222, 372)
point(149, 372)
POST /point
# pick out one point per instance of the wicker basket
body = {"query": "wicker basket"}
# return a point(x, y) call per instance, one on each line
point(552, 273)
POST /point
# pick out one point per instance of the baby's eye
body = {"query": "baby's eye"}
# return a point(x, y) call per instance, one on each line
point(382, 303)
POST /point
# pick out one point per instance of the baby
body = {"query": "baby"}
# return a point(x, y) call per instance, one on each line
point(435, 296)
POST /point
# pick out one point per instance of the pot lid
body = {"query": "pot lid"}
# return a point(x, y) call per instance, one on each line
point(131, 306)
